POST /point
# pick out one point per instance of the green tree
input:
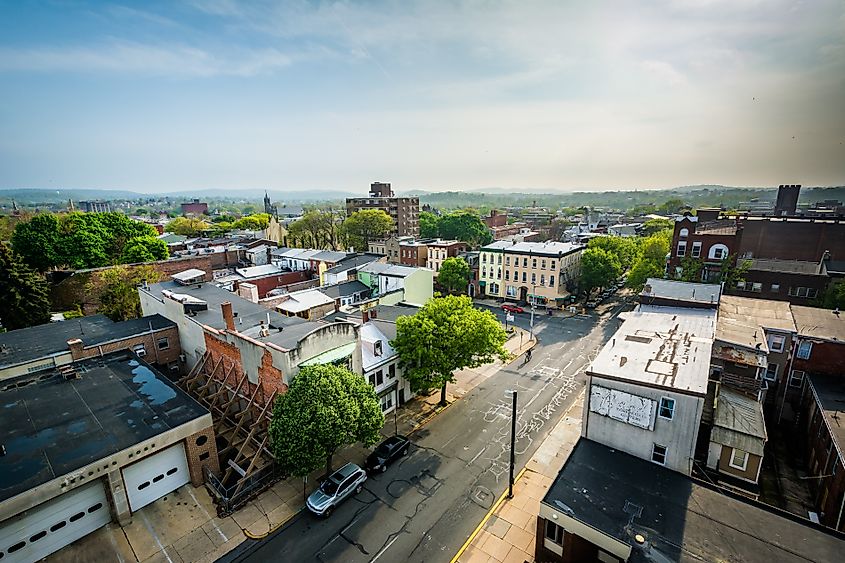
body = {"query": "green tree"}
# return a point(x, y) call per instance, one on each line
point(187, 226)
point(732, 271)
point(144, 249)
point(249, 223)
point(368, 224)
point(36, 241)
point(446, 335)
point(429, 225)
point(25, 296)
point(833, 297)
point(672, 205)
point(464, 226)
point(116, 290)
point(599, 268)
point(653, 226)
point(454, 274)
point(325, 408)
point(625, 249)
point(651, 259)
point(690, 270)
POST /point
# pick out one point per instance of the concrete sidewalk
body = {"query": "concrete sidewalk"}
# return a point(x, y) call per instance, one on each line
point(184, 527)
point(508, 532)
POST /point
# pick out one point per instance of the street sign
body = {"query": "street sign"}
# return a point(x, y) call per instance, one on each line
point(509, 318)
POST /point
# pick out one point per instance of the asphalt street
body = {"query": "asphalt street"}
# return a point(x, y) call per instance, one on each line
point(426, 505)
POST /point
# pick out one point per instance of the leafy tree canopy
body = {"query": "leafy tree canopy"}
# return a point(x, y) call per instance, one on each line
point(366, 225)
point(25, 297)
point(651, 259)
point(116, 290)
point(599, 268)
point(653, 226)
point(833, 297)
point(144, 249)
point(429, 225)
point(36, 241)
point(447, 334)
point(454, 274)
point(187, 226)
point(325, 408)
point(464, 226)
point(625, 249)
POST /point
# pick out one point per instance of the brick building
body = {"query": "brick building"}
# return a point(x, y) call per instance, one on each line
point(405, 211)
point(194, 207)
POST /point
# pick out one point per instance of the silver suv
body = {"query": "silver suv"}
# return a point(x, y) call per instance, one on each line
point(331, 492)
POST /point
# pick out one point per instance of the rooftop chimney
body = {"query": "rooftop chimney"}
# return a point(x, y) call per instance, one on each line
point(228, 316)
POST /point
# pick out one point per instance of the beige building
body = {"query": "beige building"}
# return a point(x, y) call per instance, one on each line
point(440, 250)
point(543, 272)
point(405, 211)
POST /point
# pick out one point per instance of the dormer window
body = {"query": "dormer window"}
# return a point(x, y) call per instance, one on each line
point(377, 348)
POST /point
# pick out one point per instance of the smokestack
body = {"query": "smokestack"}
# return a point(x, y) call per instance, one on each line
point(228, 316)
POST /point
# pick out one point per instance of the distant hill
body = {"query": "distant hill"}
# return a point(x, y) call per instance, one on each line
point(35, 196)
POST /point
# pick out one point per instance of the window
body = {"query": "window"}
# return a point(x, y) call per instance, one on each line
point(739, 459)
point(500, 259)
point(386, 402)
point(533, 278)
point(507, 260)
point(524, 277)
point(683, 233)
point(696, 249)
point(804, 350)
point(510, 291)
point(718, 251)
point(658, 454)
point(682, 249)
point(776, 342)
point(542, 264)
point(554, 532)
point(667, 408)
point(771, 372)
point(507, 275)
point(534, 263)
point(757, 287)
point(484, 258)
point(499, 274)
point(391, 371)
point(740, 284)
point(808, 292)
point(377, 348)
point(379, 377)
point(796, 379)
point(525, 262)
point(551, 281)
point(542, 279)
point(775, 288)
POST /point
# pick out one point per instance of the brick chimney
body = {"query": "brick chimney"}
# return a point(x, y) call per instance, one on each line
point(228, 316)
point(75, 345)
point(365, 316)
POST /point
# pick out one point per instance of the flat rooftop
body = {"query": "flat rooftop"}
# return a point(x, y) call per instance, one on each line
point(682, 519)
point(43, 341)
point(549, 248)
point(786, 266)
point(52, 427)
point(660, 347)
point(819, 323)
point(775, 315)
point(656, 288)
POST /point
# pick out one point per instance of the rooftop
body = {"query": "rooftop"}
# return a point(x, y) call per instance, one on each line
point(259, 271)
point(819, 323)
point(718, 227)
point(660, 347)
point(786, 266)
point(739, 422)
point(830, 394)
point(656, 288)
point(620, 496)
point(774, 315)
point(354, 261)
point(249, 314)
point(304, 300)
point(42, 341)
point(52, 427)
point(344, 289)
point(330, 256)
point(548, 248)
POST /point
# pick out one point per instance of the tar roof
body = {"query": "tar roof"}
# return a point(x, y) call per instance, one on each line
point(718, 227)
point(42, 341)
point(249, 314)
point(830, 394)
point(549, 248)
point(353, 262)
point(681, 519)
point(661, 347)
point(52, 427)
point(786, 266)
point(344, 289)
point(681, 291)
point(819, 323)
point(330, 256)
point(774, 315)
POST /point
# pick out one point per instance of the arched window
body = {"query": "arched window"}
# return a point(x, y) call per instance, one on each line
point(684, 233)
point(718, 252)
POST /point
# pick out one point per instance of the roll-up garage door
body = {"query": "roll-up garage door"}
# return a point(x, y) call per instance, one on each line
point(50, 526)
point(155, 476)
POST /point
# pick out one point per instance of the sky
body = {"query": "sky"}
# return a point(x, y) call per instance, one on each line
point(439, 95)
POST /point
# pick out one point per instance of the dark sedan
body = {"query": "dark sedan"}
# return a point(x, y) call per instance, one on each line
point(387, 452)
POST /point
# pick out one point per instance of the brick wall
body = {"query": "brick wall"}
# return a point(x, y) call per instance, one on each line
point(278, 280)
point(270, 378)
point(793, 240)
point(150, 342)
point(201, 451)
point(828, 492)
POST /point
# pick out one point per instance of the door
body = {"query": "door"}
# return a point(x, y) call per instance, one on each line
point(155, 476)
point(36, 533)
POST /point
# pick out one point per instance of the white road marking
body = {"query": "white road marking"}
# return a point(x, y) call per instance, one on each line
point(477, 455)
point(379, 554)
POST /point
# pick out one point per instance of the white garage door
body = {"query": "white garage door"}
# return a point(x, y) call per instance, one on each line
point(155, 476)
point(50, 526)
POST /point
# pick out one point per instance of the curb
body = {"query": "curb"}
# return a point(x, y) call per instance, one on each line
point(430, 416)
point(487, 516)
point(252, 536)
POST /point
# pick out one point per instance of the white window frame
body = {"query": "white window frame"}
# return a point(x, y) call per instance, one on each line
point(793, 377)
point(801, 346)
point(772, 341)
point(166, 342)
point(757, 287)
point(671, 410)
point(682, 249)
point(665, 453)
point(744, 465)
point(774, 376)
point(775, 288)
point(683, 233)
point(696, 249)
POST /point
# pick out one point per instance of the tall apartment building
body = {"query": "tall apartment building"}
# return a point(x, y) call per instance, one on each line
point(543, 272)
point(94, 206)
point(405, 211)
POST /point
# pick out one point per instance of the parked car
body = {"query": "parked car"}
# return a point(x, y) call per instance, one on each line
point(341, 484)
point(386, 453)
point(592, 304)
point(511, 308)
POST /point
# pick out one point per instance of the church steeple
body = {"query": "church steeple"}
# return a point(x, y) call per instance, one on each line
point(268, 208)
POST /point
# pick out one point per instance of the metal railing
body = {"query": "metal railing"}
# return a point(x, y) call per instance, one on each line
point(231, 498)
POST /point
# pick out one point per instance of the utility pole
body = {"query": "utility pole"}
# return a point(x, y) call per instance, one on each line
point(395, 409)
point(513, 444)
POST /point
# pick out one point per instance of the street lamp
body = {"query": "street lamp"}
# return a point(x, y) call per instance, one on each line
point(513, 444)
